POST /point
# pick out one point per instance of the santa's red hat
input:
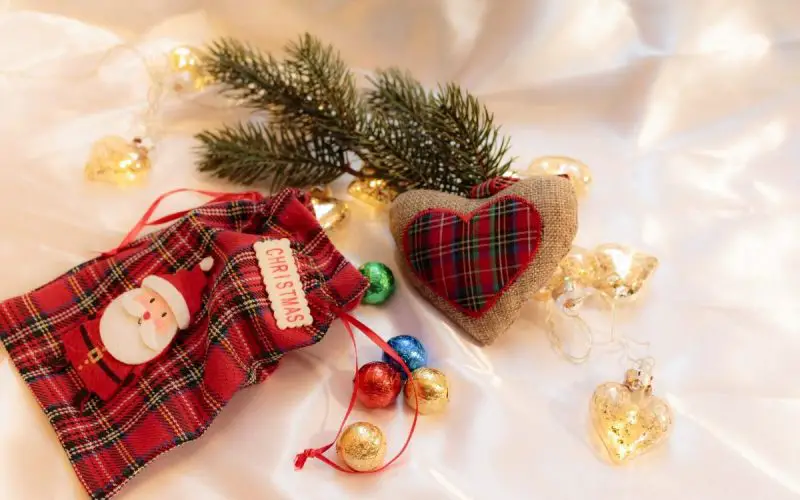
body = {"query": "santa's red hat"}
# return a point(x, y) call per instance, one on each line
point(182, 291)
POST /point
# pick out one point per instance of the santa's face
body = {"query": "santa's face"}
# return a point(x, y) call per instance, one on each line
point(137, 326)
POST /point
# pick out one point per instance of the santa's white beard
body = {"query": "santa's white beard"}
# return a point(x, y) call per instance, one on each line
point(123, 336)
point(151, 338)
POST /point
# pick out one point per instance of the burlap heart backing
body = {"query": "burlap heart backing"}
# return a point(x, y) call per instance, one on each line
point(553, 198)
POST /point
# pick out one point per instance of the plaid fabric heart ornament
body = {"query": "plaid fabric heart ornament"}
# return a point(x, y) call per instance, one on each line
point(479, 260)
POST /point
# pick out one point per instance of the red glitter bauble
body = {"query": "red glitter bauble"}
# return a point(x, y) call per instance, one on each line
point(378, 384)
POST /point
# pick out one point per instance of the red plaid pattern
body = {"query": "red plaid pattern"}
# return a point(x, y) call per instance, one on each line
point(231, 344)
point(469, 260)
point(491, 187)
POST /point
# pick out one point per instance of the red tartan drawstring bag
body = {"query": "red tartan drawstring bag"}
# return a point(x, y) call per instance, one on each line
point(136, 351)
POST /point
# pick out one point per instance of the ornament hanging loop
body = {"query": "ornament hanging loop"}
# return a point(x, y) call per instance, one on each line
point(301, 458)
point(642, 372)
point(637, 381)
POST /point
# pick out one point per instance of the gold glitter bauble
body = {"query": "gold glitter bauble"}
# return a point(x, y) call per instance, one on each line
point(186, 64)
point(621, 272)
point(328, 210)
point(432, 390)
point(375, 192)
point(362, 446)
point(117, 161)
point(628, 419)
point(579, 174)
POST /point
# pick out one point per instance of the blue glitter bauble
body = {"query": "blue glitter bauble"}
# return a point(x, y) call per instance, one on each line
point(410, 349)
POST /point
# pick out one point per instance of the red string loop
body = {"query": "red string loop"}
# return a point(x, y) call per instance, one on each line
point(318, 453)
point(300, 459)
point(145, 221)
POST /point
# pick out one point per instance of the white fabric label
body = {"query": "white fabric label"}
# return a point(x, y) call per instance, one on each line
point(284, 288)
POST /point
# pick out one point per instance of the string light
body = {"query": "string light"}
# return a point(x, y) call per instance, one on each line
point(125, 161)
point(178, 72)
point(627, 418)
point(179, 64)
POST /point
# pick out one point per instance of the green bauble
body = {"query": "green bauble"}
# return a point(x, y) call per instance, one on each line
point(381, 282)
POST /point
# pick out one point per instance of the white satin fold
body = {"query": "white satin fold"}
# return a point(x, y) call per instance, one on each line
point(686, 111)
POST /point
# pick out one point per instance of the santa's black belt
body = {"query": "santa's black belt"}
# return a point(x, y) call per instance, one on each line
point(95, 355)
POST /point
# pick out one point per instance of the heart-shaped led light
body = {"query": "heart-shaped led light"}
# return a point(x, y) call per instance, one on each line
point(621, 272)
point(574, 274)
point(328, 210)
point(578, 173)
point(628, 419)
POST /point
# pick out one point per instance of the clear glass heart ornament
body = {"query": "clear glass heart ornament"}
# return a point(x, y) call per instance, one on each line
point(628, 419)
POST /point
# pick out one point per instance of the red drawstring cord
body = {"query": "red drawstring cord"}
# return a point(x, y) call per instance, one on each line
point(318, 453)
point(145, 219)
point(348, 320)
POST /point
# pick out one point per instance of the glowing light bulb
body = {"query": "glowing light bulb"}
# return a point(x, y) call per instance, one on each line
point(375, 192)
point(118, 161)
point(627, 418)
point(188, 74)
point(329, 211)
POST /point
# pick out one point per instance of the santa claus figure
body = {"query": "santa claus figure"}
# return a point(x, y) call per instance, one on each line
point(133, 330)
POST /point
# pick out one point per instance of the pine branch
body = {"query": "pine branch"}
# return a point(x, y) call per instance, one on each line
point(461, 119)
point(246, 74)
point(252, 153)
point(404, 134)
point(397, 137)
point(444, 141)
point(334, 104)
point(312, 102)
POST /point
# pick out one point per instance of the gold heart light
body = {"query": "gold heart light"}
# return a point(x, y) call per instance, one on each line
point(187, 71)
point(570, 283)
point(620, 271)
point(372, 191)
point(628, 419)
point(580, 265)
point(579, 174)
point(116, 160)
point(328, 210)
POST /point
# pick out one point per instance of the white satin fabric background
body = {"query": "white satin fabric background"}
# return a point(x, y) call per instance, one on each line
point(686, 111)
